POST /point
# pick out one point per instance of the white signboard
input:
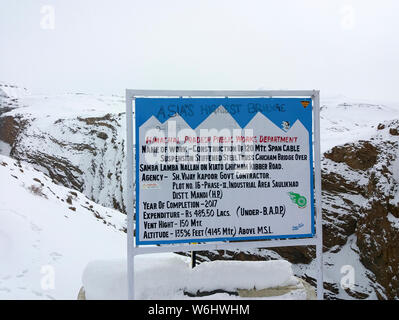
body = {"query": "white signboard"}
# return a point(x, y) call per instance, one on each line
point(223, 169)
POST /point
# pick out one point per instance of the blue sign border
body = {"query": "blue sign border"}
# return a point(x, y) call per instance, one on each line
point(275, 109)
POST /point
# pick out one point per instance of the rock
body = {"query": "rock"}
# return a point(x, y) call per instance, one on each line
point(10, 128)
point(394, 131)
point(69, 200)
point(300, 254)
point(102, 135)
point(302, 285)
point(82, 294)
point(359, 156)
point(378, 241)
point(369, 218)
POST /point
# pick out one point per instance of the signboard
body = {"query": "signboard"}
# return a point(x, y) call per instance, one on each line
point(223, 169)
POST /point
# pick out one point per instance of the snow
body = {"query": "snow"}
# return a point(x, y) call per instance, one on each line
point(5, 148)
point(168, 276)
point(47, 109)
point(12, 91)
point(39, 233)
point(58, 129)
point(395, 176)
point(54, 126)
point(393, 220)
point(242, 274)
point(344, 120)
point(45, 244)
point(105, 279)
point(48, 247)
point(334, 267)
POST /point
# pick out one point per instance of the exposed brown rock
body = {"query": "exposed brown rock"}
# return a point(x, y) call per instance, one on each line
point(381, 126)
point(378, 242)
point(59, 169)
point(69, 200)
point(359, 156)
point(394, 132)
point(99, 121)
point(300, 254)
point(10, 127)
point(102, 135)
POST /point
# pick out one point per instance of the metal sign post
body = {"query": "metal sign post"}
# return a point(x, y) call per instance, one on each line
point(135, 248)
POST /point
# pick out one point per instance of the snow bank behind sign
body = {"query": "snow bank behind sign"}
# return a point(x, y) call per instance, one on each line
point(167, 276)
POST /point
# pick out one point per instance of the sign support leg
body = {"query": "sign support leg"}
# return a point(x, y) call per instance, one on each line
point(319, 218)
point(193, 259)
point(131, 291)
point(130, 213)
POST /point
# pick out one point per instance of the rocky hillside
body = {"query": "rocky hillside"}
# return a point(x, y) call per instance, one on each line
point(361, 199)
point(78, 140)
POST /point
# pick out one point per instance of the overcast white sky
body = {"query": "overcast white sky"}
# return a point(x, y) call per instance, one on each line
point(338, 46)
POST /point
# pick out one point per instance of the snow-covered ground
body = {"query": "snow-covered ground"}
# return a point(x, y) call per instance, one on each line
point(8, 90)
point(344, 119)
point(344, 262)
point(49, 233)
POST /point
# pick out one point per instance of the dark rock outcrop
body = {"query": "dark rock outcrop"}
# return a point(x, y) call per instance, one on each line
point(359, 156)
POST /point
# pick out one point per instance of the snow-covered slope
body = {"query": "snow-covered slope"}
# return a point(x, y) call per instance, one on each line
point(77, 139)
point(345, 120)
point(49, 233)
point(9, 96)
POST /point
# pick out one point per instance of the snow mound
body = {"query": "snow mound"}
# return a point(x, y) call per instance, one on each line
point(232, 275)
point(168, 276)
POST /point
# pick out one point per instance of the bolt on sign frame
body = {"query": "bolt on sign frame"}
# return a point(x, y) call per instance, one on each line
point(133, 249)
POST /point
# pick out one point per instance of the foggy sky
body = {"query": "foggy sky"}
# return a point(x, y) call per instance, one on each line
point(337, 46)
